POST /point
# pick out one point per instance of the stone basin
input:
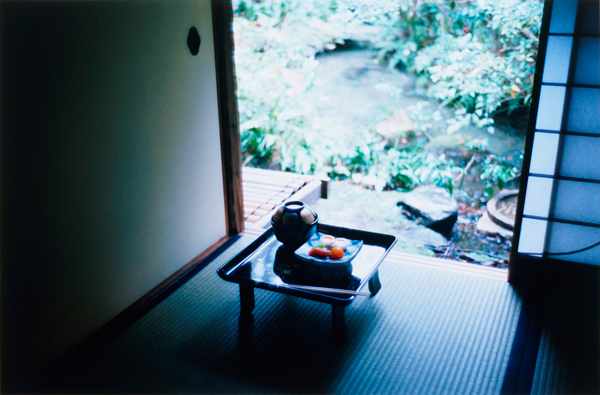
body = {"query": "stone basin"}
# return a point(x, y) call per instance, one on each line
point(499, 218)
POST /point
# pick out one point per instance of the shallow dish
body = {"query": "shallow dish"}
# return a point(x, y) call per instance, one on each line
point(326, 268)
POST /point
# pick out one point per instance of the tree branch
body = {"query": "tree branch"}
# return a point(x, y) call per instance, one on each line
point(529, 34)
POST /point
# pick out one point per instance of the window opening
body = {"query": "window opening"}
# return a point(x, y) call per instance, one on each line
point(388, 97)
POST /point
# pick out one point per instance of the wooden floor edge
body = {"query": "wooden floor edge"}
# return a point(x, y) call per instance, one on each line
point(252, 232)
point(446, 264)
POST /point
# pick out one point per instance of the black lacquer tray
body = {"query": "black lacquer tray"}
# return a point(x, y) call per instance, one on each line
point(267, 264)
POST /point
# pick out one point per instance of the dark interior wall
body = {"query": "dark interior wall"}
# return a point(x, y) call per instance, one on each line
point(110, 162)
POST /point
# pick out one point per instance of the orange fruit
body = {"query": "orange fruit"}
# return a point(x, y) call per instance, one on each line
point(336, 253)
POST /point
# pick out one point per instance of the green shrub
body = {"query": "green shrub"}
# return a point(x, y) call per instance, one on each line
point(377, 165)
point(478, 57)
point(475, 56)
point(271, 70)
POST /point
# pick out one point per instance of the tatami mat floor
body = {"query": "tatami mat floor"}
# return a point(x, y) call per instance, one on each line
point(428, 331)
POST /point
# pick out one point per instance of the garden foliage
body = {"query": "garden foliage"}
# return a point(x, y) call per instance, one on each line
point(475, 57)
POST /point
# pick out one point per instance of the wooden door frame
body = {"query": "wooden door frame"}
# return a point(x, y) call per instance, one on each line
point(231, 149)
point(516, 268)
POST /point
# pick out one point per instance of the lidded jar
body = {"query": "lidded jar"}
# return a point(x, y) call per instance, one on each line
point(294, 223)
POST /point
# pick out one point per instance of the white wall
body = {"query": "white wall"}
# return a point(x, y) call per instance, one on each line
point(111, 166)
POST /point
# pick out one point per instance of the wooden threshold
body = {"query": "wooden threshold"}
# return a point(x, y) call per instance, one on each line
point(447, 264)
point(438, 263)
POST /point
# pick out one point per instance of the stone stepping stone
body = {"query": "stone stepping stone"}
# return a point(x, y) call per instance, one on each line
point(431, 206)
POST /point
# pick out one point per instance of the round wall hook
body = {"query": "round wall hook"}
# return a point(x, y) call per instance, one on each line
point(193, 41)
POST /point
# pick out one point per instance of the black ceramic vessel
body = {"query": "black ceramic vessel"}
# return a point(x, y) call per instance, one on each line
point(294, 223)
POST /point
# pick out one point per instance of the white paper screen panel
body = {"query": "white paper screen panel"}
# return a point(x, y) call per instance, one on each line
point(558, 56)
point(538, 197)
point(533, 236)
point(563, 17)
point(563, 237)
point(561, 212)
point(576, 201)
point(552, 103)
point(587, 66)
point(580, 157)
point(584, 116)
point(544, 153)
point(589, 22)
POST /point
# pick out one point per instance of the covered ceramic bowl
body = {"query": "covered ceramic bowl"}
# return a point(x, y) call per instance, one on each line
point(294, 223)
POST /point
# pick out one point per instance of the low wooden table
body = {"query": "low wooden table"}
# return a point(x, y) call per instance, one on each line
point(267, 264)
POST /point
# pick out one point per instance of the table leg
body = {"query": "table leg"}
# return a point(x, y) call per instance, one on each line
point(246, 333)
point(246, 299)
point(374, 284)
point(338, 321)
point(246, 320)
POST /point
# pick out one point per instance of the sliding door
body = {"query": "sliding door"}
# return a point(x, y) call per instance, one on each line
point(113, 179)
point(559, 207)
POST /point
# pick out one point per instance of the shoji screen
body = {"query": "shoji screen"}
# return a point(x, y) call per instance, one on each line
point(561, 206)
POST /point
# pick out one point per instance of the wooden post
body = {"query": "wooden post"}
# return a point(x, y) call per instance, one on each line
point(231, 145)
